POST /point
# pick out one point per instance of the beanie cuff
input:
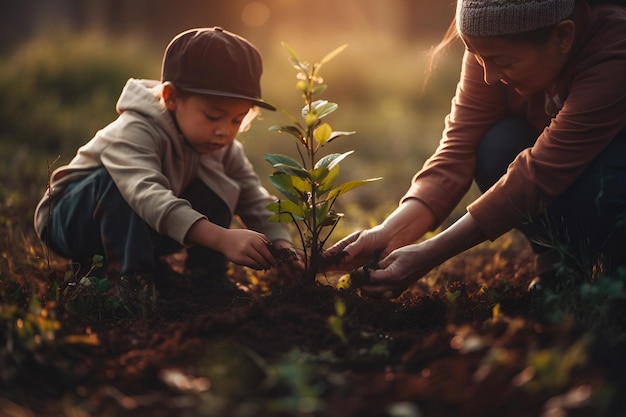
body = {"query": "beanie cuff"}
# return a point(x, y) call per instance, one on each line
point(483, 18)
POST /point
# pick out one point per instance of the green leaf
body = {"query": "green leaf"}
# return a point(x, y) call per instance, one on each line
point(322, 133)
point(319, 174)
point(97, 261)
point(292, 130)
point(286, 206)
point(318, 89)
point(284, 184)
point(290, 50)
point(349, 186)
point(295, 59)
point(340, 307)
point(321, 212)
point(276, 159)
point(320, 108)
point(289, 170)
point(331, 160)
point(323, 108)
point(302, 185)
point(336, 326)
point(327, 183)
point(287, 165)
point(305, 110)
point(281, 218)
point(326, 160)
point(331, 55)
point(100, 284)
point(336, 135)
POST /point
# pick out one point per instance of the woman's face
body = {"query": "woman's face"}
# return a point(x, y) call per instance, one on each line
point(527, 67)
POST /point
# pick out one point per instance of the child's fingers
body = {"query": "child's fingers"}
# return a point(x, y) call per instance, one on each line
point(261, 255)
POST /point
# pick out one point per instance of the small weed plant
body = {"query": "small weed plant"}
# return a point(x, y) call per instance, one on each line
point(308, 184)
point(587, 287)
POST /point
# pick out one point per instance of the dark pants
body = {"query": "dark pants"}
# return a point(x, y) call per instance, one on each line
point(92, 218)
point(589, 218)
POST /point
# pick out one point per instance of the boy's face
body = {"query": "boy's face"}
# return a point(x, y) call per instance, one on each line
point(208, 123)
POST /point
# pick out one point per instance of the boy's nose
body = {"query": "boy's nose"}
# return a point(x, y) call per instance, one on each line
point(223, 131)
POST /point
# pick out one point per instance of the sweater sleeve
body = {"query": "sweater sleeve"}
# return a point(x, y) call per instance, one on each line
point(253, 197)
point(447, 175)
point(133, 160)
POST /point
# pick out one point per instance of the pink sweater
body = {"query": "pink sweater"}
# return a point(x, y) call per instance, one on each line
point(583, 112)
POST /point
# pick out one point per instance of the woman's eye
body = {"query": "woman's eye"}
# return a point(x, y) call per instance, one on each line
point(504, 64)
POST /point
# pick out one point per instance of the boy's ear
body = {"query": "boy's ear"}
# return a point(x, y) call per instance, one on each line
point(168, 93)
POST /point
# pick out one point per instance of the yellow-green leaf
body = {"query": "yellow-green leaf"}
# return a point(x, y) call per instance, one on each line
point(348, 186)
point(340, 307)
point(333, 54)
point(290, 50)
point(281, 218)
point(322, 133)
point(286, 206)
point(329, 180)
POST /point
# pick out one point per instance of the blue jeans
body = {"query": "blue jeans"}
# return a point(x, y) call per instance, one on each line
point(589, 217)
point(92, 218)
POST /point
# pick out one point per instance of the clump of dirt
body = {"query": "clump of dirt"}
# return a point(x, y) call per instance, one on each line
point(283, 256)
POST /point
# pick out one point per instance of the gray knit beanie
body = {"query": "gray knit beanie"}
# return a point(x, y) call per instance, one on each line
point(483, 18)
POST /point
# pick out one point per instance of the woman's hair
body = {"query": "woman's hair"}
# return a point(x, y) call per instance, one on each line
point(535, 37)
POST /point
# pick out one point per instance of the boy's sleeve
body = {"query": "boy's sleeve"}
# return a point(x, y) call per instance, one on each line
point(135, 166)
point(253, 198)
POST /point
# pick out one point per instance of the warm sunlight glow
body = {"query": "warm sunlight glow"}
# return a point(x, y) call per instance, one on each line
point(255, 14)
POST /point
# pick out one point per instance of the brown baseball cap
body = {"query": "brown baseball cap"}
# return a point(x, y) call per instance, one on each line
point(215, 62)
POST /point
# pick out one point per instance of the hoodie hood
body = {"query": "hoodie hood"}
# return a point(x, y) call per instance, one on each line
point(144, 97)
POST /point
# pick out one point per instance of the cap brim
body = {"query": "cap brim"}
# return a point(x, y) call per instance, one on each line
point(257, 101)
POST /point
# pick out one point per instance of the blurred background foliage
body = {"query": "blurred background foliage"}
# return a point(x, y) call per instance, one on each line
point(64, 63)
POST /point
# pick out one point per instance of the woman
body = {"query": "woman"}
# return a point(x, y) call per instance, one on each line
point(538, 121)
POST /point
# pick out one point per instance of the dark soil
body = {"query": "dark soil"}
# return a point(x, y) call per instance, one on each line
point(471, 344)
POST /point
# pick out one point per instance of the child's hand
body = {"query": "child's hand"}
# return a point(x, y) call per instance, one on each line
point(248, 248)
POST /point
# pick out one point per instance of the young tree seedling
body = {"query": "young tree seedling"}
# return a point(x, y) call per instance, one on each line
point(308, 185)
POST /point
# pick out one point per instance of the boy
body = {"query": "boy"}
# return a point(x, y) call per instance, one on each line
point(168, 173)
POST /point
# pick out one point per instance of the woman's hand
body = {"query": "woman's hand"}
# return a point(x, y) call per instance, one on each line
point(359, 248)
point(402, 227)
point(402, 267)
point(396, 272)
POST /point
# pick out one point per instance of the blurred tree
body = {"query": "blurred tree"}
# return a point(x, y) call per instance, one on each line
point(159, 20)
point(16, 22)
